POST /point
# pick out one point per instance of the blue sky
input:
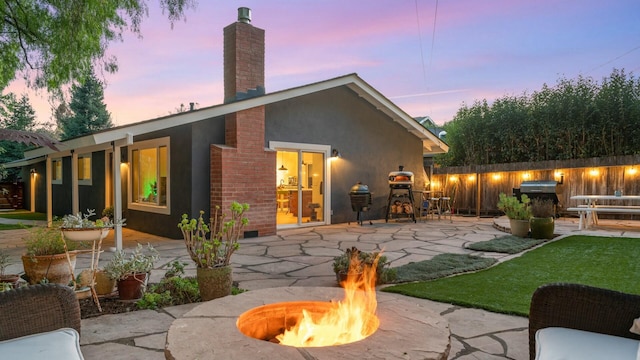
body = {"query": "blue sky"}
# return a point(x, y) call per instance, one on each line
point(427, 62)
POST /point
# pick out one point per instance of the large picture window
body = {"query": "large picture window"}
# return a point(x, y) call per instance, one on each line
point(149, 183)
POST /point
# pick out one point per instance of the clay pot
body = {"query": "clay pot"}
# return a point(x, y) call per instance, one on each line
point(55, 268)
point(132, 286)
point(104, 285)
point(11, 279)
point(214, 282)
point(519, 228)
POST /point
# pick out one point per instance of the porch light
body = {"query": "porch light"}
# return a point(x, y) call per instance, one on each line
point(335, 153)
point(632, 171)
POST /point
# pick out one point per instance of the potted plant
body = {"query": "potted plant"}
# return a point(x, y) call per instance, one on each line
point(6, 280)
point(80, 227)
point(131, 270)
point(353, 262)
point(518, 212)
point(542, 220)
point(45, 258)
point(212, 255)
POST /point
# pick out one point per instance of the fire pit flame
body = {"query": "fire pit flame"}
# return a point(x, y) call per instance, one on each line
point(346, 321)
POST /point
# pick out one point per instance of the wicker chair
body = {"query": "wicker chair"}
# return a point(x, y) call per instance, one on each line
point(36, 309)
point(582, 307)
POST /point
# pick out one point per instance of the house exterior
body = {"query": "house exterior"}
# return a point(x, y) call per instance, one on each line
point(274, 151)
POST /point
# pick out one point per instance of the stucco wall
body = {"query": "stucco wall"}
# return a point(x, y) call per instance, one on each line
point(371, 144)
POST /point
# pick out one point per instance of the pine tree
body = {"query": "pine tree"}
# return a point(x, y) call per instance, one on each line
point(89, 112)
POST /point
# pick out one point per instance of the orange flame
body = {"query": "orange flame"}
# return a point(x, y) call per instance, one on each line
point(349, 320)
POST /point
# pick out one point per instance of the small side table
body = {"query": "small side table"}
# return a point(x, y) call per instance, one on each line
point(95, 235)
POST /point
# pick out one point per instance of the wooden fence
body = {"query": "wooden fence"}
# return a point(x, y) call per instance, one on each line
point(474, 190)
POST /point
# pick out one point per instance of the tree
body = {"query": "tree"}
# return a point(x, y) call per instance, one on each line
point(16, 117)
point(57, 42)
point(88, 110)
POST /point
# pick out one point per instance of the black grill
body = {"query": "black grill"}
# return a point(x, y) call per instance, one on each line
point(360, 199)
point(539, 189)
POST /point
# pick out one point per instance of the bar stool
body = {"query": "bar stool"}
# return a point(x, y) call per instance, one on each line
point(445, 207)
point(434, 207)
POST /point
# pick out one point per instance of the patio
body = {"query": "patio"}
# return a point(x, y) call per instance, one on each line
point(302, 258)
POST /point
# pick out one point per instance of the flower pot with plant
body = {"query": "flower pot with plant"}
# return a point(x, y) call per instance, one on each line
point(518, 211)
point(542, 221)
point(6, 280)
point(353, 262)
point(131, 271)
point(210, 245)
point(80, 227)
point(45, 259)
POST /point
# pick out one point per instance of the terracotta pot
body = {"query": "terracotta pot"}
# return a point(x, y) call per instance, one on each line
point(11, 279)
point(214, 282)
point(54, 268)
point(542, 228)
point(132, 286)
point(519, 227)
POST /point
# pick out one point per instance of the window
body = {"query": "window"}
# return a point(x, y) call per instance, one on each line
point(84, 169)
point(56, 171)
point(149, 183)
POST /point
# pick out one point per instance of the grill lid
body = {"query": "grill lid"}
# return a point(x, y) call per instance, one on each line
point(359, 188)
point(539, 186)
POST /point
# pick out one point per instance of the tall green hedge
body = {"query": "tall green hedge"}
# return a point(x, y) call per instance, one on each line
point(576, 118)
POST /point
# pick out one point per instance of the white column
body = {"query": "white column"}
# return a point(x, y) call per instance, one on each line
point(117, 194)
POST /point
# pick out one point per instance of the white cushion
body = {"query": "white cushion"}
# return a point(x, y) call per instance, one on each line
point(61, 344)
point(565, 344)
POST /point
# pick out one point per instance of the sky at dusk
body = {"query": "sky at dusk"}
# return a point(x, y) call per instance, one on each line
point(427, 62)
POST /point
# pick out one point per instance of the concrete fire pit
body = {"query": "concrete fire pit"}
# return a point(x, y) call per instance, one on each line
point(209, 331)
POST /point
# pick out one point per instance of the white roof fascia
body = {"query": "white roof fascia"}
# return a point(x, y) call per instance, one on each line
point(102, 140)
point(24, 162)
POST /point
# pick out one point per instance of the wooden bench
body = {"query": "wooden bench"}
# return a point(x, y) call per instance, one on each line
point(585, 211)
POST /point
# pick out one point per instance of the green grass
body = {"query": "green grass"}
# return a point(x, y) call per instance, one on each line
point(508, 244)
point(13, 226)
point(440, 266)
point(23, 215)
point(604, 262)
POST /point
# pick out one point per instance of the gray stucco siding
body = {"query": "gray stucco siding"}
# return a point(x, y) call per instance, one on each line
point(370, 142)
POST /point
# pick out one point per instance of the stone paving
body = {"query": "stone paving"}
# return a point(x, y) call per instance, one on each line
point(303, 257)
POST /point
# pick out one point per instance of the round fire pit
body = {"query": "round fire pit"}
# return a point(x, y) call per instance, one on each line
point(209, 331)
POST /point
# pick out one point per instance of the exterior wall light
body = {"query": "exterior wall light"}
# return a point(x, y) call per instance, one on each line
point(335, 153)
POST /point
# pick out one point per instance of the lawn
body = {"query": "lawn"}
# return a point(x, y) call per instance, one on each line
point(23, 215)
point(507, 288)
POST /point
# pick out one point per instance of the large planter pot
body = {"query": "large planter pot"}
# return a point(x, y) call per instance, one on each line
point(519, 227)
point(132, 286)
point(104, 285)
point(542, 228)
point(80, 234)
point(55, 268)
point(214, 282)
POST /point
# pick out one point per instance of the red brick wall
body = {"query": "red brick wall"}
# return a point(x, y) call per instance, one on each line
point(242, 170)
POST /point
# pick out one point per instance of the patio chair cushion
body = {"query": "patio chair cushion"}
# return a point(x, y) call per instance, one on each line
point(555, 343)
point(61, 344)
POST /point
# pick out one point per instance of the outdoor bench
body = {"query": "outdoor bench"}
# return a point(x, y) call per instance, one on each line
point(572, 321)
point(585, 212)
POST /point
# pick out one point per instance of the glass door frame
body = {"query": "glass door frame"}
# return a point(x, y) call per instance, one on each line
point(326, 191)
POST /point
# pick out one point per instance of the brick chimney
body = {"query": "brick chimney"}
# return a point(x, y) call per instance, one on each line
point(242, 169)
point(243, 59)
